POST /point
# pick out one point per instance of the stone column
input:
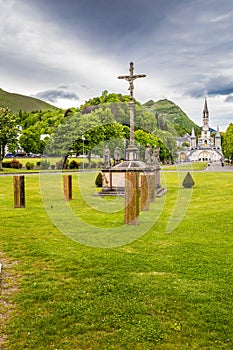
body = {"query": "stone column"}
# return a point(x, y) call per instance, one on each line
point(19, 192)
point(145, 200)
point(132, 198)
point(157, 172)
point(67, 180)
point(152, 186)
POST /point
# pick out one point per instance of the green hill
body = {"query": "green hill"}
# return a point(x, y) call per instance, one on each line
point(16, 102)
point(170, 117)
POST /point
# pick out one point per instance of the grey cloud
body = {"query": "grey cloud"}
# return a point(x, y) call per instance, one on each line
point(184, 46)
point(220, 85)
point(229, 99)
point(63, 87)
point(54, 95)
point(217, 86)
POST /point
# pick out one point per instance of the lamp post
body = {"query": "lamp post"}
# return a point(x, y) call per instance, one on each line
point(83, 138)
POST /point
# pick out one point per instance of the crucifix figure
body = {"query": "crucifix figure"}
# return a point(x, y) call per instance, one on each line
point(130, 78)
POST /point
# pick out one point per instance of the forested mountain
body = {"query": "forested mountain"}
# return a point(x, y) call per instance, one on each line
point(94, 119)
point(17, 102)
point(170, 117)
point(104, 118)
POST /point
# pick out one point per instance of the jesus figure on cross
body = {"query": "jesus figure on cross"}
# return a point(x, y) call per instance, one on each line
point(130, 78)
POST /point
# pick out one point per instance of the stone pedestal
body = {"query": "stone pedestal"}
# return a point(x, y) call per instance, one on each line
point(132, 153)
point(160, 191)
point(152, 186)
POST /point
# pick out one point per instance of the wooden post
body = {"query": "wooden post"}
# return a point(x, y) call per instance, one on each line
point(145, 201)
point(19, 192)
point(152, 185)
point(67, 187)
point(132, 198)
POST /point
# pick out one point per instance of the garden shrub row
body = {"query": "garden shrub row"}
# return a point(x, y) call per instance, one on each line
point(45, 164)
point(14, 163)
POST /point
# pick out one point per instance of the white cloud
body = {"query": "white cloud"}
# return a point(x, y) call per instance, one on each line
point(186, 51)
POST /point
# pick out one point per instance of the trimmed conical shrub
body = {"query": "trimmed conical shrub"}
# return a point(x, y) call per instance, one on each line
point(188, 181)
point(98, 180)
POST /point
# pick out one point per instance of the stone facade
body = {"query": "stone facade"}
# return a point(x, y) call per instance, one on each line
point(203, 148)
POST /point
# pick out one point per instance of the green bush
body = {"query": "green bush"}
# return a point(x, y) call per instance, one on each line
point(29, 166)
point(74, 165)
point(6, 164)
point(59, 164)
point(44, 164)
point(188, 181)
point(98, 180)
point(15, 164)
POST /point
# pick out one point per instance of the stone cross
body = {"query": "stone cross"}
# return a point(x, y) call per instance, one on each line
point(130, 78)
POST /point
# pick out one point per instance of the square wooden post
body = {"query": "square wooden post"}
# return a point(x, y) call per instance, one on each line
point(132, 198)
point(67, 187)
point(19, 192)
point(145, 200)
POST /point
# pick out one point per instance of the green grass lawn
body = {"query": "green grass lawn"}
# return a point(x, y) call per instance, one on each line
point(186, 166)
point(167, 289)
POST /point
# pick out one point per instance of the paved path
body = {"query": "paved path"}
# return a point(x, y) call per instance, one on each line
point(216, 166)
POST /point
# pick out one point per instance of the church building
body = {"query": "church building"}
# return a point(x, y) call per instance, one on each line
point(205, 148)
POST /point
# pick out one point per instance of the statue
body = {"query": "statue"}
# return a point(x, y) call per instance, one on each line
point(104, 180)
point(156, 159)
point(106, 157)
point(148, 155)
point(117, 155)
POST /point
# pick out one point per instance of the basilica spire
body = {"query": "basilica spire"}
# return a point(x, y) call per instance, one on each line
point(205, 114)
point(218, 132)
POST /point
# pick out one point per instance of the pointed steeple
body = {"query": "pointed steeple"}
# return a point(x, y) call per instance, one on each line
point(205, 110)
point(205, 114)
point(193, 142)
point(193, 133)
point(217, 140)
point(217, 132)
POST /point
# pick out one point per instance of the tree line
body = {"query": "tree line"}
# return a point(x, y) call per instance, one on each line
point(100, 120)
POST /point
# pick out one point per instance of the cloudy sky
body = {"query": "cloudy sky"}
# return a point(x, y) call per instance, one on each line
point(67, 51)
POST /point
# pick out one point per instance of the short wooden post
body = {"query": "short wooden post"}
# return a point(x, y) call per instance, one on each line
point(145, 200)
point(67, 187)
point(152, 186)
point(132, 198)
point(19, 192)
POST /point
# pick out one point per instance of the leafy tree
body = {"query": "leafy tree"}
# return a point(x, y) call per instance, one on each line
point(62, 140)
point(228, 143)
point(30, 141)
point(169, 145)
point(45, 122)
point(106, 97)
point(185, 144)
point(8, 131)
point(100, 119)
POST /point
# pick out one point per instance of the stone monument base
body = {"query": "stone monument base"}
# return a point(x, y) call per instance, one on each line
point(113, 183)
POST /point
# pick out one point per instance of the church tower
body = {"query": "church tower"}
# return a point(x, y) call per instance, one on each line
point(205, 140)
point(205, 115)
point(193, 142)
point(206, 148)
point(218, 139)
